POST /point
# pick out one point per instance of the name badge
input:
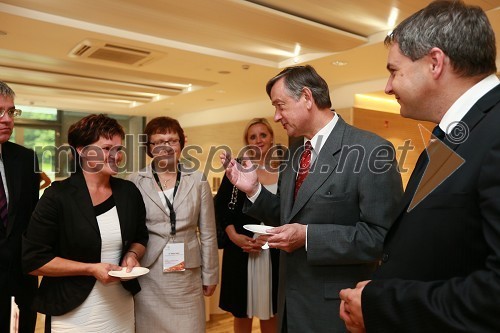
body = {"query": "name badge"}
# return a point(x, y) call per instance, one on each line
point(173, 258)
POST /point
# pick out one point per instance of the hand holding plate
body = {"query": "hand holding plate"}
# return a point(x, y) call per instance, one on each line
point(260, 230)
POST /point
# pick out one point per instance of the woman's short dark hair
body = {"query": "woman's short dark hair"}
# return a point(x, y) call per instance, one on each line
point(92, 127)
point(162, 125)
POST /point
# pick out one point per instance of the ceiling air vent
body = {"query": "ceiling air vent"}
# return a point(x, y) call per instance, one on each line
point(100, 50)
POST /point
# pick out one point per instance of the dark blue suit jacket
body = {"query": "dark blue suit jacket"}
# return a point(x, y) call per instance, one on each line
point(441, 267)
point(23, 185)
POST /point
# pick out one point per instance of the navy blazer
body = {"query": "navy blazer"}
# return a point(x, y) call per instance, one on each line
point(64, 225)
point(441, 266)
point(23, 185)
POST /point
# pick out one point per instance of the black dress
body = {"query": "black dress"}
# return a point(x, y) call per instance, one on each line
point(233, 292)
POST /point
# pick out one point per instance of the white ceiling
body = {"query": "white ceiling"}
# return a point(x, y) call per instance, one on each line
point(198, 55)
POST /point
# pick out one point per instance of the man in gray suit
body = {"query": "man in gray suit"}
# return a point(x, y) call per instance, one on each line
point(334, 222)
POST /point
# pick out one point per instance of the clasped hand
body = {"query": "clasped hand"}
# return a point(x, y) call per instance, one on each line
point(247, 244)
point(350, 308)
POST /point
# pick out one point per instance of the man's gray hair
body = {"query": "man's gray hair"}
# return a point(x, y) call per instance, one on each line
point(462, 32)
point(6, 91)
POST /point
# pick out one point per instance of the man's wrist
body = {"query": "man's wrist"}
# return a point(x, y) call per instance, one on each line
point(253, 196)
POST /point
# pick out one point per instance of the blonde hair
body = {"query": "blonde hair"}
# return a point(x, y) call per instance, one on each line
point(266, 123)
point(256, 121)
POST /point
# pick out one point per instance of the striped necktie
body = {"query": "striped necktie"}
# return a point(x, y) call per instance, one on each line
point(4, 207)
point(305, 163)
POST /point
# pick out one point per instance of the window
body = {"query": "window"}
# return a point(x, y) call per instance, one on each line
point(39, 129)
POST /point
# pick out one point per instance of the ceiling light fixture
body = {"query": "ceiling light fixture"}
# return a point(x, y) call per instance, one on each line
point(393, 17)
point(339, 63)
point(297, 49)
point(296, 53)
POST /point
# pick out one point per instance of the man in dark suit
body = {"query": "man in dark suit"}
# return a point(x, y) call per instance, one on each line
point(440, 270)
point(19, 187)
point(334, 222)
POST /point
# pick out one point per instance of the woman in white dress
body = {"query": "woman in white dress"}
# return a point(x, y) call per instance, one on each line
point(82, 228)
point(182, 251)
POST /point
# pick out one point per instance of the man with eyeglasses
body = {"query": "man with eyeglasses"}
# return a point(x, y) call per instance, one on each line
point(19, 184)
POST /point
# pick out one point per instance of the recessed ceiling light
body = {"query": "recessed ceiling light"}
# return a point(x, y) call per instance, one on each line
point(393, 17)
point(297, 49)
point(339, 63)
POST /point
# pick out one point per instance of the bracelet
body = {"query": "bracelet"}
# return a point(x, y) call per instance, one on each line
point(136, 255)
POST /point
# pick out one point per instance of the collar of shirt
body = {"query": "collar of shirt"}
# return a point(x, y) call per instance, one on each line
point(319, 139)
point(465, 102)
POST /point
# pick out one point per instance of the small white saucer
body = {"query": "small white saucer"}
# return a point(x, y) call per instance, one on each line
point(257, 228)
point(135, 272)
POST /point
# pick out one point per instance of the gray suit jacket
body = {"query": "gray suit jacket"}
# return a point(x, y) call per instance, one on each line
point(195, 225)
point(348, 202)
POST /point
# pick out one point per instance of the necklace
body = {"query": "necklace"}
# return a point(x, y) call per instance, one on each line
point(164, 182)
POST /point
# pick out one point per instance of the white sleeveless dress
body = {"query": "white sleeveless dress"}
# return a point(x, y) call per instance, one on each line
point(259, 287)
point(108, 308)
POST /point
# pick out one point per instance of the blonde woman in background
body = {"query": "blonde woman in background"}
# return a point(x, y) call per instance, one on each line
point(249, 282)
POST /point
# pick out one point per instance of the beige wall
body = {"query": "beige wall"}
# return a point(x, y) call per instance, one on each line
point(397, 130)
point(210, 139)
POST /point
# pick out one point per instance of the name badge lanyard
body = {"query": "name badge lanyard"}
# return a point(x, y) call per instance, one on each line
point(173, 218)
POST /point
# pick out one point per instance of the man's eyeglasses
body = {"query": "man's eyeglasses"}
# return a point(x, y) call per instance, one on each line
point(12, 113)
point(173, 142)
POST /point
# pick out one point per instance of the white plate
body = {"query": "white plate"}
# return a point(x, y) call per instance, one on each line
point(135, 272)
point(257, 228)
